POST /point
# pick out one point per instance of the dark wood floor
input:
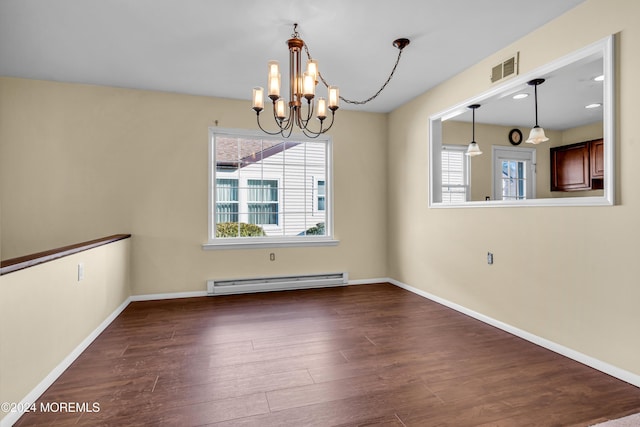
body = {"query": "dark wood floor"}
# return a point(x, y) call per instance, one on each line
point(370, 355)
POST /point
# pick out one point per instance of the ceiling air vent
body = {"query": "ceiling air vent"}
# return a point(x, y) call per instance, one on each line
point(507, 68)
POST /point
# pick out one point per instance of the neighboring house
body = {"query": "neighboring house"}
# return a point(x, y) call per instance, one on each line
point(278, 185)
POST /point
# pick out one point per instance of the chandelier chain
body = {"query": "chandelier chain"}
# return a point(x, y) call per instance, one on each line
point(372, 97)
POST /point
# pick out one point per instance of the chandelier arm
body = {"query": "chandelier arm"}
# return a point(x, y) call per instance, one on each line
point(333, 116)
point(289, 128)
point(322, 130)
point(284, 124)
point(372, 97)
point(296, 114)
point(264, 130)
point(288, 121)
point(311, 133)
point(310, 110)
point(302, 123)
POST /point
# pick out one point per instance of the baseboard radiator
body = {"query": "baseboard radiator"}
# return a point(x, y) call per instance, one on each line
point(280, 283)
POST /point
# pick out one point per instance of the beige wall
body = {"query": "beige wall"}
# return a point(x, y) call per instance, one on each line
point(80, 162)
point(566, 274)
point(45, 312)
point(581, 133)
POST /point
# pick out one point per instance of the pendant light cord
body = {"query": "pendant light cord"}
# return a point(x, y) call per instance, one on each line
point(473, 125)
point(535, 90)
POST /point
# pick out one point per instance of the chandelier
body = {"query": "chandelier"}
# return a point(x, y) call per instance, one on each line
point(302, 92)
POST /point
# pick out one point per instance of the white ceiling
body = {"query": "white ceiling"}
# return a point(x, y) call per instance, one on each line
point(220, 48)
point(562, 98)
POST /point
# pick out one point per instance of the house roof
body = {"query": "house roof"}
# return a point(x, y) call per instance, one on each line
point(240, 152)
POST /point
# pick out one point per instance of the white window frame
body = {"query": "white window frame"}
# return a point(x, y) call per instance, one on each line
point(466, 170)
point(214, 243)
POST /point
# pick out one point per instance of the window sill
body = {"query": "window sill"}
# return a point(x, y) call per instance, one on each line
point(271, 243)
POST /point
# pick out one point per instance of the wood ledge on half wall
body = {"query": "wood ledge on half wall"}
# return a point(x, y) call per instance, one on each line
point(26, 261)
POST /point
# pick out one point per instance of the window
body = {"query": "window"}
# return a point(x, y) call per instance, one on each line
point(455, 174)
point(269, 191)
point(226, 200)
point(514, 181)
point(263, 201)
point(321, 195)
point(514, 173)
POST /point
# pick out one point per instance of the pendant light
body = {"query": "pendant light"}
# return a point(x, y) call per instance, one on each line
point(473, 149)
point(536, 136)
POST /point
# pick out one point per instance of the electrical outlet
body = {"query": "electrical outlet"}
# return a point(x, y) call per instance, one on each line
point(80, 271)
point(489, 258)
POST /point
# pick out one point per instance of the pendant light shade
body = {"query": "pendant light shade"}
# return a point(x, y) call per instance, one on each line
point(536, 136)
point(474, 148)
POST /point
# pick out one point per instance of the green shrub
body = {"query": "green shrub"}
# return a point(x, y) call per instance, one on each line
point(316, 230)
point(230, 229)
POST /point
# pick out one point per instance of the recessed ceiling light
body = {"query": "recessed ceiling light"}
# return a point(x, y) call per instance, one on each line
point(520, 95)
point(593, 106)
point(599, 78)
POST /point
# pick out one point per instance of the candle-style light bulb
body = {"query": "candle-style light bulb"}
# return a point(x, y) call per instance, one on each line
point(312, 69)
point(274, 86)
point(274, 68)
point(258, 99)
point(280, 110)
point(273, 80)
point(334, 98)
point(322, 109)
point(308, 86)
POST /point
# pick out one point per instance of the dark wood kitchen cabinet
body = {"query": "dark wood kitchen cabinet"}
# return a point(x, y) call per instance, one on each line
point(597, 159)
point(578, 166)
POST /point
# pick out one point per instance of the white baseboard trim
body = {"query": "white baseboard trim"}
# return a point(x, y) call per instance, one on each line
point(607, 368)
point(38, 390)
point(171, 295)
